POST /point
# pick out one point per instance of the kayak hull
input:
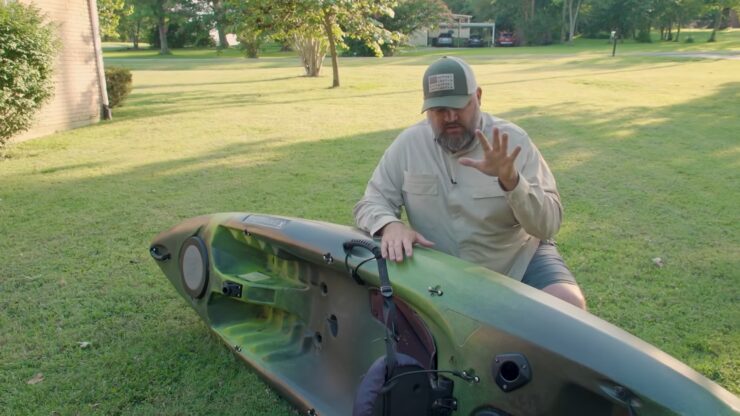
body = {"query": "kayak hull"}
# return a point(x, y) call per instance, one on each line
point(278, 292)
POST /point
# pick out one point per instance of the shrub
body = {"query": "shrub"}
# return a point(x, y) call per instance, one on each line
point(118, 84)
point(643, 36)
point(689, 40)
point(27, 50)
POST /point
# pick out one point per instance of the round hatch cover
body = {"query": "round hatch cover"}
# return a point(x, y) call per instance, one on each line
point(194, 266)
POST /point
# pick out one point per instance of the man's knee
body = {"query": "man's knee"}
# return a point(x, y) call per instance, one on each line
point(568, 292)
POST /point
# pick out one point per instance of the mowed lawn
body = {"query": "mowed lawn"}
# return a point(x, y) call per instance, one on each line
point(646, 151)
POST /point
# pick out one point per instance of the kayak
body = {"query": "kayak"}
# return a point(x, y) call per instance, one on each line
point(314, 309)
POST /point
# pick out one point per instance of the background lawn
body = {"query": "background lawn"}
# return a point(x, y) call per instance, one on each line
point(646, 150)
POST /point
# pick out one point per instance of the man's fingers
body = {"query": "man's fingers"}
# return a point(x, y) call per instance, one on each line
point(423, 241)
point(496, 143)
point(466, 161)
point(515, 153)
point(408, 247)
point(397, 251)
point(483, 141)
point(397, 244)
point(504, 142)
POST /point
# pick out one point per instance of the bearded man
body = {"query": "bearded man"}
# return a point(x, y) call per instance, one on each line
point(465, 193)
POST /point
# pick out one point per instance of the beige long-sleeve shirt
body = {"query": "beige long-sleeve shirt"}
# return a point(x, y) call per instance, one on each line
point(463, 211)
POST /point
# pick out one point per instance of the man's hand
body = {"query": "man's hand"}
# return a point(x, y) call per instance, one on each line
point(399, 239)
point(496, 161)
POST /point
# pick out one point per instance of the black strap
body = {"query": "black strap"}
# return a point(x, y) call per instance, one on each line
point(389, 307)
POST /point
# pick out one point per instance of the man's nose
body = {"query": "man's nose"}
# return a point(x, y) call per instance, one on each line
point(450, 114)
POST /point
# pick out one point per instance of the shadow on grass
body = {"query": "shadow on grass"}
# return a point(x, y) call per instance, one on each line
point(198, 97)
point(209, 84)
point(156, 63)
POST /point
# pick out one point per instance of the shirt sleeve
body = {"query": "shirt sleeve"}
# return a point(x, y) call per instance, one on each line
point(535, 200)
point(383, 197)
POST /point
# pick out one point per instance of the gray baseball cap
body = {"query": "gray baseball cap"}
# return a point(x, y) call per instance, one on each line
point(448, 82)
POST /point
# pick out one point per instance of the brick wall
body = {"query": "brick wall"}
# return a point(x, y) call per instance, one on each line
point(77, 99)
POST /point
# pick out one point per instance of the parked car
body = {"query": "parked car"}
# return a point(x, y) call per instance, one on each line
point(507, 39)
point(444, 39)
point(475, 41)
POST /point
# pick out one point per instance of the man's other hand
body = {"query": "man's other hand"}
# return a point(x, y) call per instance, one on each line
point(497, 161)
point(398, 239)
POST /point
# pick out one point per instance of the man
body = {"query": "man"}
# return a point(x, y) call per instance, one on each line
point(464, 191)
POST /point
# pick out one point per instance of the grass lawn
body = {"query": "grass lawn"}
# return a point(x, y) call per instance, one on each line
point(645, 148)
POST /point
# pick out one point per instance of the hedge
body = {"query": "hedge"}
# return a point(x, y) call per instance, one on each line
point(118, 84)
point(27, 50)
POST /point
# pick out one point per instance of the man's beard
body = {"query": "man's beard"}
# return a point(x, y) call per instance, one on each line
point(458, 142)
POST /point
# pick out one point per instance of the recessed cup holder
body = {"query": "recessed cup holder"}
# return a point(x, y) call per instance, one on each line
point(511, 371)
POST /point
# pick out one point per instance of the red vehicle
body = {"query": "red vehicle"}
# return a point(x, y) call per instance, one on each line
point(507, 39)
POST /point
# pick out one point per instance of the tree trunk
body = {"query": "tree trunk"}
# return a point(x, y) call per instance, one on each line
point(573, 14)
point(573, 18)
point(715, 26)
point(312, 52)
point(222, 42)
point(162, 26)
point(218, 13)
point(135, 34)
point(678, 31)
point(564, 23)
point(329, 28)
point(526, 10)
point(532, 8)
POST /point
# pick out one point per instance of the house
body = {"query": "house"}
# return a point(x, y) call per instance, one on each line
point(459, 26)
point(79, 97)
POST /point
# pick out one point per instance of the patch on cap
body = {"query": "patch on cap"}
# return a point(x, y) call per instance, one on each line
point(441, 82)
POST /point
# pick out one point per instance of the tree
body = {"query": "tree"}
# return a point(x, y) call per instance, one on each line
point(132, 21)
point(572, 17)
point(220, 19)
point(109, 15)
point(353, 18)
point(188, 14)
point(622, 16)
point(312, 50)
point(159, 9)
point(160, 12)
point(409, 16)
point(253, 20)
point(412, 15)
point(683, 11)
point(303, 21)
point(718, 9)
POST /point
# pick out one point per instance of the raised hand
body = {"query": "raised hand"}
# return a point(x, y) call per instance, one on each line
point(496, 159)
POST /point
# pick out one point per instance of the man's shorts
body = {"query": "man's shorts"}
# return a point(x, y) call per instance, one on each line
point(547, 267)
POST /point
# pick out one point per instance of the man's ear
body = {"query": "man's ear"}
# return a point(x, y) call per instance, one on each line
point(479, 94)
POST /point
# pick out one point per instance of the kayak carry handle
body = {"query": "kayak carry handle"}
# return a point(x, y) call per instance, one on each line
point(159, 253)
point(385, 284)
point(367, 244)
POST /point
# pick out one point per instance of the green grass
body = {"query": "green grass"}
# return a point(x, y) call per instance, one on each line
point(645, 150)
point(727, 40)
